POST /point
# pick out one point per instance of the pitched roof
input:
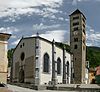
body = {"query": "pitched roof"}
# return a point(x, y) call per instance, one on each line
point(33, 38)
point(77, 12)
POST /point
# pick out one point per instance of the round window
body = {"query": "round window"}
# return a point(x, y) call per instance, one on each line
point(22, 56)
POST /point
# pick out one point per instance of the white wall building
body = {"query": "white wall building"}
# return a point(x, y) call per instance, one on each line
point(39, 61)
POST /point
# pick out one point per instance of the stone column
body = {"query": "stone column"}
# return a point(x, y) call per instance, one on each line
point(37, 61)
point(72, 69)
point(3, 56)
point(54, 64)
point(64, 66)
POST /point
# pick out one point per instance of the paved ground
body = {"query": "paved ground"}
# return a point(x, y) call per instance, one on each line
point(90, 86)
point(20, 89)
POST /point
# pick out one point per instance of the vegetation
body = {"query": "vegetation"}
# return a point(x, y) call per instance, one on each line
point(10, 55)
point(61, 45)
point(97, 77)
point(93, 56)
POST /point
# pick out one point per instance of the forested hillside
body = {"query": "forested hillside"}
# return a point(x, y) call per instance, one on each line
point(93, 56)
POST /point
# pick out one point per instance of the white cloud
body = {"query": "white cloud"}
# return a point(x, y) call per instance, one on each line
point(13, 8)
point(74, 2)
point(53, 17)
point(67, 20)
point(15, 42)
point(93, 37)
point(61, 18)
point(89, 44)
point(14, 13)
point(57, 35)
point(29, 3)
point(41, 26)
point(51, 10)
point(91, 30)
point(9, 30)
point(14, 36)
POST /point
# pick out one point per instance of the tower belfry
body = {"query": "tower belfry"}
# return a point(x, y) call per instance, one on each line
point(78, 45)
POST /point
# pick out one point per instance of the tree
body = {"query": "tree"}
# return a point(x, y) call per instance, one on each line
point(10, 55)
point(93, 56)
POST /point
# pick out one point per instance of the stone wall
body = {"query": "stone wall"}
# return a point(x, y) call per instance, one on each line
point(29, 69)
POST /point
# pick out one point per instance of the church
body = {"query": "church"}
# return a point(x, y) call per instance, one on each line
point(39, 61)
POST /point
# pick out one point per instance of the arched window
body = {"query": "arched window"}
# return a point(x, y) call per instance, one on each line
point(58, 66)
point(67, 64)
point(46, 63)
point(75, 46)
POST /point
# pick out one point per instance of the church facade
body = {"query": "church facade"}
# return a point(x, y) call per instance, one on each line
point(39, 61)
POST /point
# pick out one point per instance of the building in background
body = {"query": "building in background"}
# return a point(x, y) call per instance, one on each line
point(78, 45)
point(3, 56)
point(39, 61)
point(87, 73)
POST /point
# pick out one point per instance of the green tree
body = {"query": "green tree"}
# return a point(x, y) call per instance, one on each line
point(10, 55)
point(93, 56)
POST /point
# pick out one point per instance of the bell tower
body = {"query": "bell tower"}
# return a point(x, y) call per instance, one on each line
point(78, 45)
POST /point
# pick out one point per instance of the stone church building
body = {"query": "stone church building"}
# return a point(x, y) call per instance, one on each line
point(39, 61)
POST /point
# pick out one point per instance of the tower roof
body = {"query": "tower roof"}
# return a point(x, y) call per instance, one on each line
point(77, 12)
point(4, 36)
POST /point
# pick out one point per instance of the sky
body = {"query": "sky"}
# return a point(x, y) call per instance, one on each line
point(50, 18)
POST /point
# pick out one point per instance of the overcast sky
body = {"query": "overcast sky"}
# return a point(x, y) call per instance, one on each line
point(50, 18)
